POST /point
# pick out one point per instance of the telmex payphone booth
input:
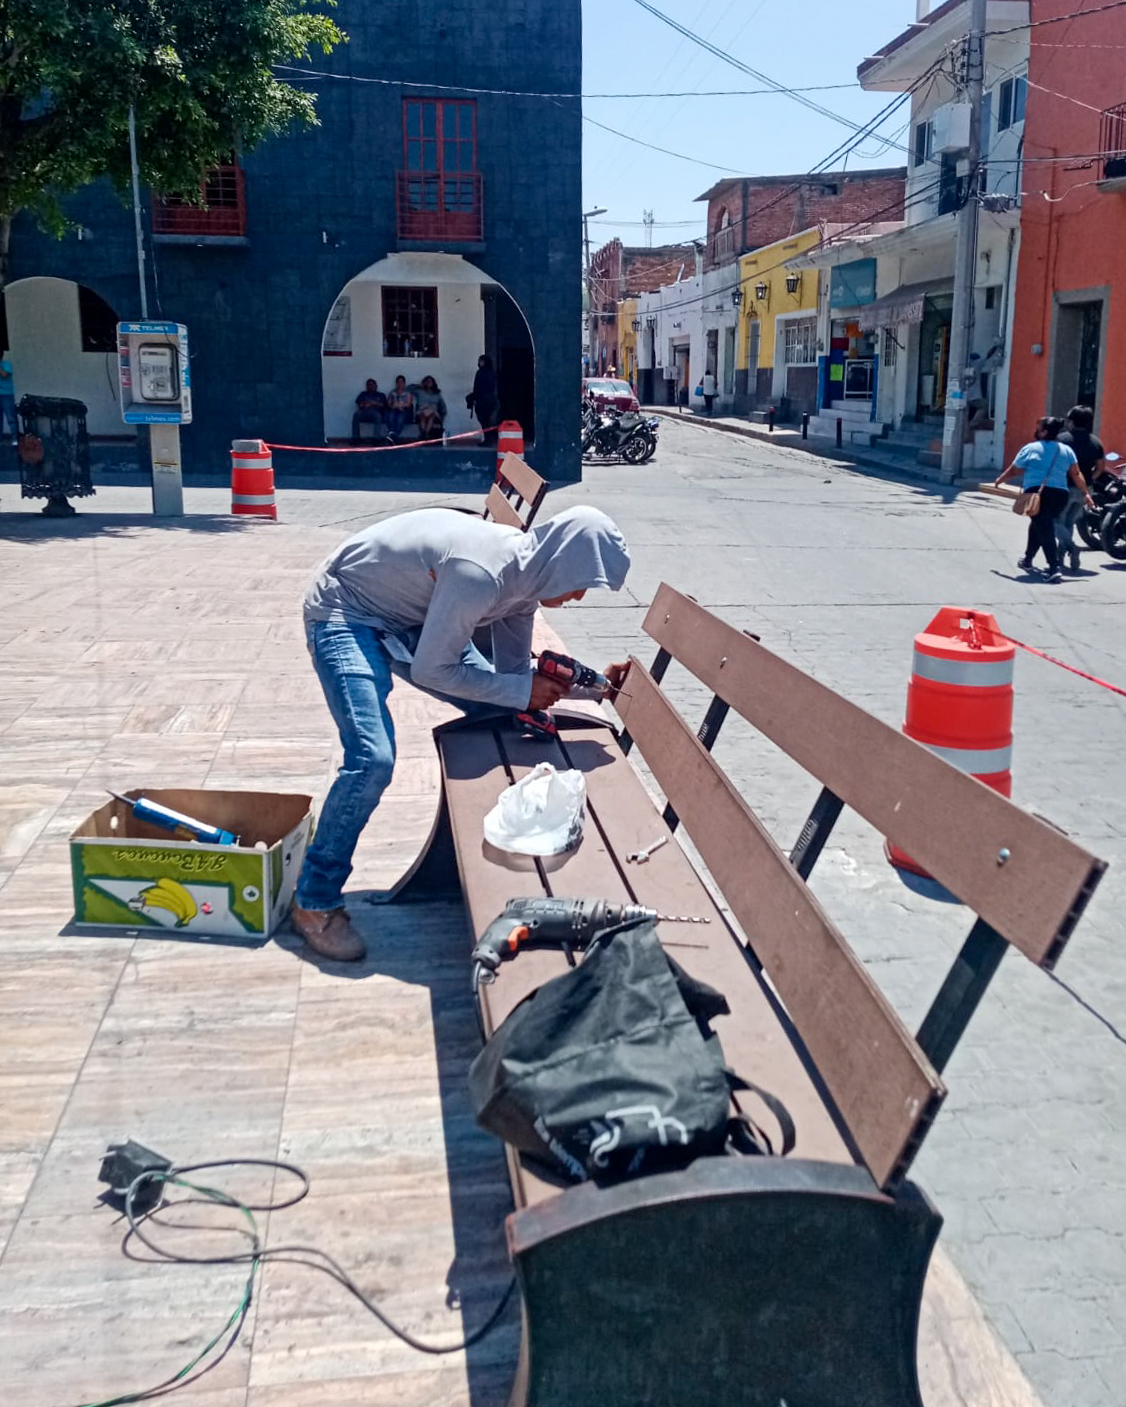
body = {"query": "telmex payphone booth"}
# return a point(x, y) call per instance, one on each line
point(156, 390)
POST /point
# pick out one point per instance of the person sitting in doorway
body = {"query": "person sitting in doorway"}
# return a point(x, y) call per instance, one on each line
point(400, 407)
point(432, 409)
point(371, 408)
point(483, 399)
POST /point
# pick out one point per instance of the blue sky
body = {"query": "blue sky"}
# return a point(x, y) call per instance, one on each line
point(797, 42)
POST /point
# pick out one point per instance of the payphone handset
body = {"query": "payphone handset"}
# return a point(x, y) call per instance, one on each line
point(158, 372)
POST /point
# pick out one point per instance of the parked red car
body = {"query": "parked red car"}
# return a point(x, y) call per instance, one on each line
point(608, 391)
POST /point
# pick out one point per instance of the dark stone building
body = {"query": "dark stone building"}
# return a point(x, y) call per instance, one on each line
point(416, 227)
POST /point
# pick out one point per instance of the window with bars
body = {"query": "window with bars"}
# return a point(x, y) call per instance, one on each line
point(223, 211)
point(410, 322)
point(890, 354)
point(799, 342)
point(439, 186)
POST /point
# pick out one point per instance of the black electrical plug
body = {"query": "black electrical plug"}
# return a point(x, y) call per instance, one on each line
point(123, 1164)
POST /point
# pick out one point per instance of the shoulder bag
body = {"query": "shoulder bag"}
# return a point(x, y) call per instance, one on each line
point(1027, 502)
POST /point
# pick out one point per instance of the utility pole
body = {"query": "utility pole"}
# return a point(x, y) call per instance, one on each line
point(965, 258)
point(137, 226)
point(647, 221)
point(592, 321)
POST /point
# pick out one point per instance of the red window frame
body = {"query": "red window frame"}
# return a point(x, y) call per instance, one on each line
point(223, 212)
point(440, 135)
point(440, 188)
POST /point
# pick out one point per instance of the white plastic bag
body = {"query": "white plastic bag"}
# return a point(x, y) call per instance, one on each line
point(542, 814)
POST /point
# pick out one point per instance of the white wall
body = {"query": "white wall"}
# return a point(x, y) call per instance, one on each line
point(47, 355)
point(461, 338)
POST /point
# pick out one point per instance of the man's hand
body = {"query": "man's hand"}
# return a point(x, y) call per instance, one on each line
point(545, 692)
point(616, 674)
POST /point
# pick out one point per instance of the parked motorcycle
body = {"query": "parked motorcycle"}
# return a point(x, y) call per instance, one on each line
point(612, 435)
point(1112, 534)
point(1108, 490)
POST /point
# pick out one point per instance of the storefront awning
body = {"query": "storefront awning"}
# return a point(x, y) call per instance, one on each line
point(904, 304)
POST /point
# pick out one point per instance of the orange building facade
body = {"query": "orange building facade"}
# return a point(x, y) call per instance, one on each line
point(1069, 329)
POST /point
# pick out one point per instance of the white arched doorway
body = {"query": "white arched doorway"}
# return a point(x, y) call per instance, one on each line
point(63, 341)
point(418, 315)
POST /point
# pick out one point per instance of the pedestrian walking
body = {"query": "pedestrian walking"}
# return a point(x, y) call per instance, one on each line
point(1046, 467)
point(8, 423)
point(710, 389)
point(406, 596)
point(1090, 453)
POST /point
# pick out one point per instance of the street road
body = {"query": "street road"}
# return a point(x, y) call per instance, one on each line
point(837, 571)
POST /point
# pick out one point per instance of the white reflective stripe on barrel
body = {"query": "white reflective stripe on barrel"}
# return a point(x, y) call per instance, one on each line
point(979, 763)
point(262, 500)
point(243, 461)
point(972, 674)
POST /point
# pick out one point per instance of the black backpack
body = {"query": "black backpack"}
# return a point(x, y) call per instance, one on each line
point(612, 1070)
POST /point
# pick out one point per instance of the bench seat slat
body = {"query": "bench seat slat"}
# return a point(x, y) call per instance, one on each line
point(880, 1080)
point(754, 1039)
point(955, 827)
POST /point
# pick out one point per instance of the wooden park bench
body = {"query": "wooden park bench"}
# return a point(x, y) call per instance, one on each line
point(515, 496)
point(756, 1281)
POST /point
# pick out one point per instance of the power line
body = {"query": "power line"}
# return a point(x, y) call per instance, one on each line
point(1054, 19)
point(533, 93)
point(746, 68)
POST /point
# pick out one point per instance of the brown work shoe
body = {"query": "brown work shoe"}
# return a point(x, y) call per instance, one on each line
point(328, 932)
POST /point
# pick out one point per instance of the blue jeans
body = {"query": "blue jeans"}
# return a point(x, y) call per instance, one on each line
point(357, 675)
point(1073, 511)
point(8, 417)
point(396, 419)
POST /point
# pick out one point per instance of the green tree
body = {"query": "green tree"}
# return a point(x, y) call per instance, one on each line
point(198, 72)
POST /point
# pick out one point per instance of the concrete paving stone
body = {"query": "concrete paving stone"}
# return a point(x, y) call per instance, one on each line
point(1065, 1380)
point(1076, 1328)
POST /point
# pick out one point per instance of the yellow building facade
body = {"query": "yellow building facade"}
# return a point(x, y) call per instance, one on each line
point(627, 341)
point(777, 352)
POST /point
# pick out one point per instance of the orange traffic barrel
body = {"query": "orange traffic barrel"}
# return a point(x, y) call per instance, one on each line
point(960, 700)
point(252, 480)
point(510, 440)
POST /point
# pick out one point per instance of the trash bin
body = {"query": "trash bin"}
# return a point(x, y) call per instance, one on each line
point(54, 452)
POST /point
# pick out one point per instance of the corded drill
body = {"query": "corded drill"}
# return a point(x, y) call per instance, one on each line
point(574, 923)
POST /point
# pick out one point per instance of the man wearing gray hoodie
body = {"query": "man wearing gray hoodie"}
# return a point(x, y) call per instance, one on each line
point(407, 596)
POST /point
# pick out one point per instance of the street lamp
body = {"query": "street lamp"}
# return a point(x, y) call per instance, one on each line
point(736, 296)
point(793, 282)
point(761, 290)
point(636, 324)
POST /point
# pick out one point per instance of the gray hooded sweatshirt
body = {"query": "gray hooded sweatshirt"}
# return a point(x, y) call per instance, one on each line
point(428, 580)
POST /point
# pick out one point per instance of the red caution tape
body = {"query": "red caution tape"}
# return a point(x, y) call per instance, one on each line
point(378, 449)
point(1114, 689)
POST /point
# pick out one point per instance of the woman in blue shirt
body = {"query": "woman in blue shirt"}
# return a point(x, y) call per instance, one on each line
point(1048, 466)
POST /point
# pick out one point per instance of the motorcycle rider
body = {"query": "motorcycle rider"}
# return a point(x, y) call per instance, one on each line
point(1090, 453)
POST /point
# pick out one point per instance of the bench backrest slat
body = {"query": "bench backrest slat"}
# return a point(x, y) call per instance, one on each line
point(885, 1089)
point(955, 827)
point(524, 479)
point(498, 508)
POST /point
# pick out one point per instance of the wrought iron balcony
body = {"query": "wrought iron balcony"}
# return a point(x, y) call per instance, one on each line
point(435, 208)
point(222, 213)
point(1112, 146)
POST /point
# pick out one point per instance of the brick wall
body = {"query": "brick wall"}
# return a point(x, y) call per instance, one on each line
point(321, 208)
point(761, 210)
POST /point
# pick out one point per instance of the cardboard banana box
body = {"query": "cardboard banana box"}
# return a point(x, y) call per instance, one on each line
point(129, 874)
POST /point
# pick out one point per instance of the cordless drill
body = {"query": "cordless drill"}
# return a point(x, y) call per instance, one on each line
point(575, 923)
point(580, 680)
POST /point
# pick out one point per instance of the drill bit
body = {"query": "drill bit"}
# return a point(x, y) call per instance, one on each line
point(681, 918)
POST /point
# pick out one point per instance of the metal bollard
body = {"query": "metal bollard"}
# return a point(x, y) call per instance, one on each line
point(770, 420)
point(840, 428)
point(805, 425)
